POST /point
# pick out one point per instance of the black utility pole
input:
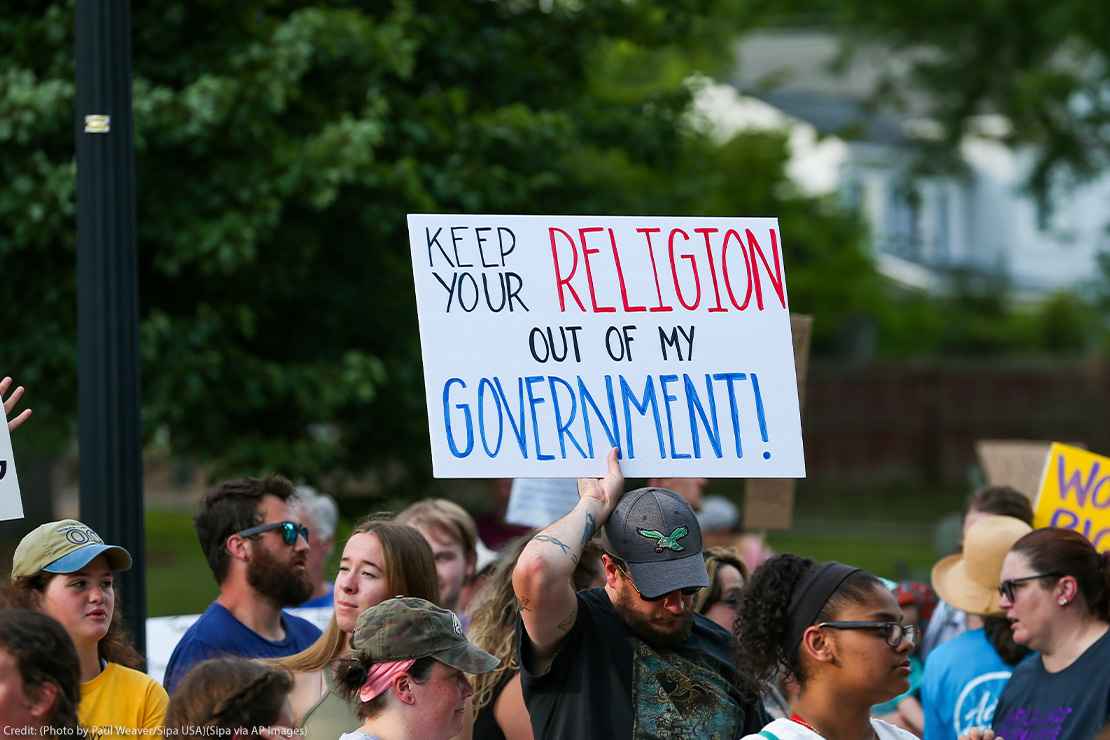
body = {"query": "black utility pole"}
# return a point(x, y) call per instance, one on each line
point(107, 296)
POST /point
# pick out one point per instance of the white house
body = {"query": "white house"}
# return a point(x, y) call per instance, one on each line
point(982, 220)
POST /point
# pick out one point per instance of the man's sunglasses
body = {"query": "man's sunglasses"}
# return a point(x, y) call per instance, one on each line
point(623, 568)
point(893, 632)
point(1008, 588)
point(289, 531)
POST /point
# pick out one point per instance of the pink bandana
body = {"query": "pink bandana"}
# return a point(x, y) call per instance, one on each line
point(380, 676)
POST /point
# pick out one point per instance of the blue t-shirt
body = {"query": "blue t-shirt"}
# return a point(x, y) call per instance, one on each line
point(964, 678)
point(217, 634)
point(317, 602)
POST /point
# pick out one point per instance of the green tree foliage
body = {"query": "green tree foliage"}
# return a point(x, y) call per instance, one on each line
point(279, 146)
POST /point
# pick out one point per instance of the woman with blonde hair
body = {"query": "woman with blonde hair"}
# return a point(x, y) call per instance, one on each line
point(381, 559)
point(727, 575)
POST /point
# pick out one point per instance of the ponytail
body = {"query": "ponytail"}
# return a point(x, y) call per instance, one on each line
point(1001, 638)
point(1104, 571)
point(763, 619)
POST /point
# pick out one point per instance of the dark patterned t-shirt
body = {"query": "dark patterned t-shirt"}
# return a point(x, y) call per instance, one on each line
point(606, 683)
point(1072, 704)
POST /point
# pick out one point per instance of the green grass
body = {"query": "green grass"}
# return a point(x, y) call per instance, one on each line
point(178, 580)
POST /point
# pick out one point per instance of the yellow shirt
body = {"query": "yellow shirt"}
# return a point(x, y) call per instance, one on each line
point(122, 698)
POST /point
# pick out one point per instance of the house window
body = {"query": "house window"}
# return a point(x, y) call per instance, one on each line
point(903, 237)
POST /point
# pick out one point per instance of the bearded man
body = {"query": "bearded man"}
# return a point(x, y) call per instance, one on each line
point(630, 659)
point(257, 549)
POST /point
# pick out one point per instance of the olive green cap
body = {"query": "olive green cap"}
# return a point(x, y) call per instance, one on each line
point(405, 627)
point(65, 546)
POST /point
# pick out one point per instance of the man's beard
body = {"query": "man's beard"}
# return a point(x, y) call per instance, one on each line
point(277, 580)
point(649, 631)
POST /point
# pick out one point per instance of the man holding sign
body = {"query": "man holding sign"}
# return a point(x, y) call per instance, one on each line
point(631, 658)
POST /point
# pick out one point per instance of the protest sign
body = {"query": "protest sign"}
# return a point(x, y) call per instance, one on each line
point(769, 502)
point(1017, 463)
point(547, 340)
point(537, 502)
point(1073, 494)
point(11, 503)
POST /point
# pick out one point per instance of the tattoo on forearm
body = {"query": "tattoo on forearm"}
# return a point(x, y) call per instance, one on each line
point(555, 541)
point(588, 528)
point(566, 624)
point(525, 605)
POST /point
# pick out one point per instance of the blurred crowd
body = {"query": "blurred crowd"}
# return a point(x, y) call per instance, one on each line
point(632, 616)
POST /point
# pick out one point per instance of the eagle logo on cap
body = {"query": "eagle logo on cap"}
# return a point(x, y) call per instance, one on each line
point(665, 541)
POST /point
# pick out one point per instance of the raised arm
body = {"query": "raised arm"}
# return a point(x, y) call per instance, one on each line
point(542, 577)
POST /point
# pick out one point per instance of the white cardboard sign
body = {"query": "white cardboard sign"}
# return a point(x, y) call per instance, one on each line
point(11, 503)
point(538, 502)
point(547, 340)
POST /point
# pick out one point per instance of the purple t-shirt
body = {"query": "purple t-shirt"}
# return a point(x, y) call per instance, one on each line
point(1072, 704)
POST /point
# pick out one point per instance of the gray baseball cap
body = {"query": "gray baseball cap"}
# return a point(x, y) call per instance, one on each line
point(656, 532)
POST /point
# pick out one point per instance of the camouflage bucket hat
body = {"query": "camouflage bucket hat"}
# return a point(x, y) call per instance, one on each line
point(405, 627)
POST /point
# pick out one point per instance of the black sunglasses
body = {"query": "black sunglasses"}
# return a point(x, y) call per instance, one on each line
point(893, 632)
point(1008, 588)
point(289, 531)
point(623, 568)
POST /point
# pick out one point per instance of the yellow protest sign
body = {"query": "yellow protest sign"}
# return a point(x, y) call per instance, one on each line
point(1074, 494)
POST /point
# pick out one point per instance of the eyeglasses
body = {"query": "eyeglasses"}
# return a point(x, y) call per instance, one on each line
point(893, 632)
point(289, 531)
point(1008, 588)
point(623, 568)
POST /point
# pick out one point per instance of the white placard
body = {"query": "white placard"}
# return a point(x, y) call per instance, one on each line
point(547, 340)
point(11, 502)
point(538, 502)
point(163, 634)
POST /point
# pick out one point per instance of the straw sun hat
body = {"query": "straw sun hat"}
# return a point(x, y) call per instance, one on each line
point(969, 580)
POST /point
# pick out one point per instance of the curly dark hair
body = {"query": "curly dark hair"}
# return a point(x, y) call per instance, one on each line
point(44, 654)
point(228, 693)
point(351, 673)
point(762, 624)
point(115, 647)
point(230, 507)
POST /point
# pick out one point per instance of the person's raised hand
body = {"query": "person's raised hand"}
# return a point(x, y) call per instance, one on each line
point(607, 490)
point(10, 402)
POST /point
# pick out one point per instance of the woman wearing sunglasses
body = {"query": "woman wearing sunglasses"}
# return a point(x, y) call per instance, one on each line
point(64, 570)
point(1055, 591)
point(727, 574)
point(381, 559)
point(838, 633)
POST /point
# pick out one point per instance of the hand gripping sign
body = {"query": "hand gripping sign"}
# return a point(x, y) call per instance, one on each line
point(548, 340)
